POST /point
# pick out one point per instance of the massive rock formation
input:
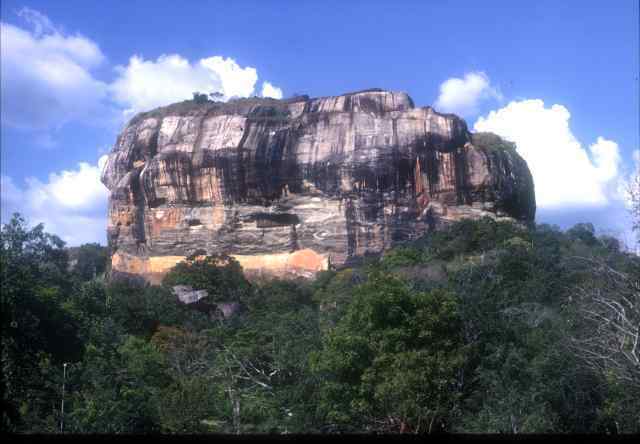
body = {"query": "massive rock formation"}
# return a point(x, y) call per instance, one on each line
point(295, 186)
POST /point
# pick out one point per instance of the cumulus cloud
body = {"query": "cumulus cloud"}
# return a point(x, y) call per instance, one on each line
point(71, 204)
point(46, 77)
point(236, 81)
point(564, 173)
point(268, 90)
point(146, 84)
point(463, 96)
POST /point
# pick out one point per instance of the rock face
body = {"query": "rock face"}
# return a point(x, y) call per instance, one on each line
point(296, 186)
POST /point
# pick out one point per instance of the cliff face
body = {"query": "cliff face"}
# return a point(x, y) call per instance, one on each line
point(290, 187)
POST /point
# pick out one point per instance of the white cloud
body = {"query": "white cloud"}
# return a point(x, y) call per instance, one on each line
point(40, 22)
point(268, 90)
point(606, 158)
point(236, 81)
point(146, 84)
point(71, 204)
point(46, 77)
point(462, 96)
point(564, 173)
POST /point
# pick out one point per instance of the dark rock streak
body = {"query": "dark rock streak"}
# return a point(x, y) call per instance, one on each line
point(289, 186)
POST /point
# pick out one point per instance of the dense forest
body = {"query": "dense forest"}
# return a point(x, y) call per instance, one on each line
point(483, 327)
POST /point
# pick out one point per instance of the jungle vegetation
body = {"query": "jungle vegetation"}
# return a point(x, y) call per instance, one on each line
point(483, 327)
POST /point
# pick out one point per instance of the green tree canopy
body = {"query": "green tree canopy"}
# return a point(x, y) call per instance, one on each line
point(390, 364)
point(219, 274)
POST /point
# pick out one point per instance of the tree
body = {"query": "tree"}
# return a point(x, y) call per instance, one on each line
point(191, 405)
point(254, 364)
point(39, 332)
point(200, 98)
point(584, 232)
point(390, 364)
point(120, 383)
point(262, 361)
point(609, 303)
point(483, 344)
point(141, 310)
point(520, 375)
point(219, 274)
point(606, 338)
point(89, 260)
point(216, 96)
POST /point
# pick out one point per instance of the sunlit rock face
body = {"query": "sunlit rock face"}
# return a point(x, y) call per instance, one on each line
point(291, 187)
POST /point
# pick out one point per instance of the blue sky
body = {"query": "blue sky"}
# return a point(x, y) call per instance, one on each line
point(559, 78)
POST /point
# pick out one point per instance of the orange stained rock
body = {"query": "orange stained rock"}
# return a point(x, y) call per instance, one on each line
point(128, 263)
point(162, 264)
point(154, 268)
point(307, 260)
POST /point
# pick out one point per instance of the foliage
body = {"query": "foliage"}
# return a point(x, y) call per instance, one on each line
point(191, 405)
point(390, 364)
point(200, 98)
point(403, 256)
point(88, 261)
point(121, 385)
point(38, 331)
point(216, 96)
point(261, 360)
point(332, 293)
point(609, 305)
point(219, 274)
point(480, 327)
point(140, 310)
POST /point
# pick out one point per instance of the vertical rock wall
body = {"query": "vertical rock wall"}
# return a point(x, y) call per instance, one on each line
point(292, 187)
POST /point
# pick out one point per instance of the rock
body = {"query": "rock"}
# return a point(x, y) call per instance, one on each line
point(187, 295)
point(292, 187)
point(228, 309)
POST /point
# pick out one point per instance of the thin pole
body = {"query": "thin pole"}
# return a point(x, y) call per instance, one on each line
point(64, 377)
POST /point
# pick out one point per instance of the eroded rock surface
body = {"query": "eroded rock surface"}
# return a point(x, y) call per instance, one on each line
point(296, 186)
